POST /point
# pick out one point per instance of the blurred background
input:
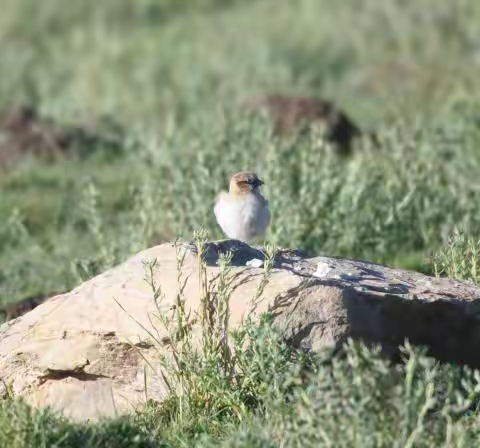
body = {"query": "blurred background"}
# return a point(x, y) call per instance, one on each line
point(121, 120)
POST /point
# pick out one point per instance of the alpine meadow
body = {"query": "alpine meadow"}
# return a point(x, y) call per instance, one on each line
point(121, 120)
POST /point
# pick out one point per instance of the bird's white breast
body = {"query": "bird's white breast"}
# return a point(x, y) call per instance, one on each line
point(242, 218)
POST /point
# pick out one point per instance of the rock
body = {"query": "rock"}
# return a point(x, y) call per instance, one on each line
point(84, 355)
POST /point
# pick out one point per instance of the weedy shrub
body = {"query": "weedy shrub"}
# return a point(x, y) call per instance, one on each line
point(223, 382)
point(391, 205)
point(459, 258)
point(217, 377)
point(24, 427)
point(22, 276)
point(247, 387)
point(133, 234)
point(385, 202)
point(361, 400)
point(397, 201)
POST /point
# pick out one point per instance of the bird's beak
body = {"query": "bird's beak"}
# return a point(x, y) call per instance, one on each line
point(259, 183)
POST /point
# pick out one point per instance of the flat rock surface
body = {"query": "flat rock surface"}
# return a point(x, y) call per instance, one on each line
point(84, 353)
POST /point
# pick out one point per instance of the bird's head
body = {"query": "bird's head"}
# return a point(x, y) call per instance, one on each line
point(244, 182)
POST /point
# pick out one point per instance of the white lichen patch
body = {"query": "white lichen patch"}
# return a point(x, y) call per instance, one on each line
point(255, 263)
point(322, 270)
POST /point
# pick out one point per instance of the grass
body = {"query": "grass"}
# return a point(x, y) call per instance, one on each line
point(459, 258)
point(159, 70)
point(248, 387)
point(173, 75)
point(21, 427)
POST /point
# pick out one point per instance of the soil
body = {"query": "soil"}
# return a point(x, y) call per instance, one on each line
point(25, 134)
point(293, 113)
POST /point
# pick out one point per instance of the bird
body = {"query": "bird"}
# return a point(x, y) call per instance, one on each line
point(242, 212)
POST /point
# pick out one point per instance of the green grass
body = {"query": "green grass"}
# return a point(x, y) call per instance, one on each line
point(407, 70)
point(173, 74)
point(22, 427)
point(248, 387)
point(355, 399)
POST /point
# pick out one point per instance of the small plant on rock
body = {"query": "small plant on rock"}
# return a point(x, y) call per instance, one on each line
point(213, 373)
